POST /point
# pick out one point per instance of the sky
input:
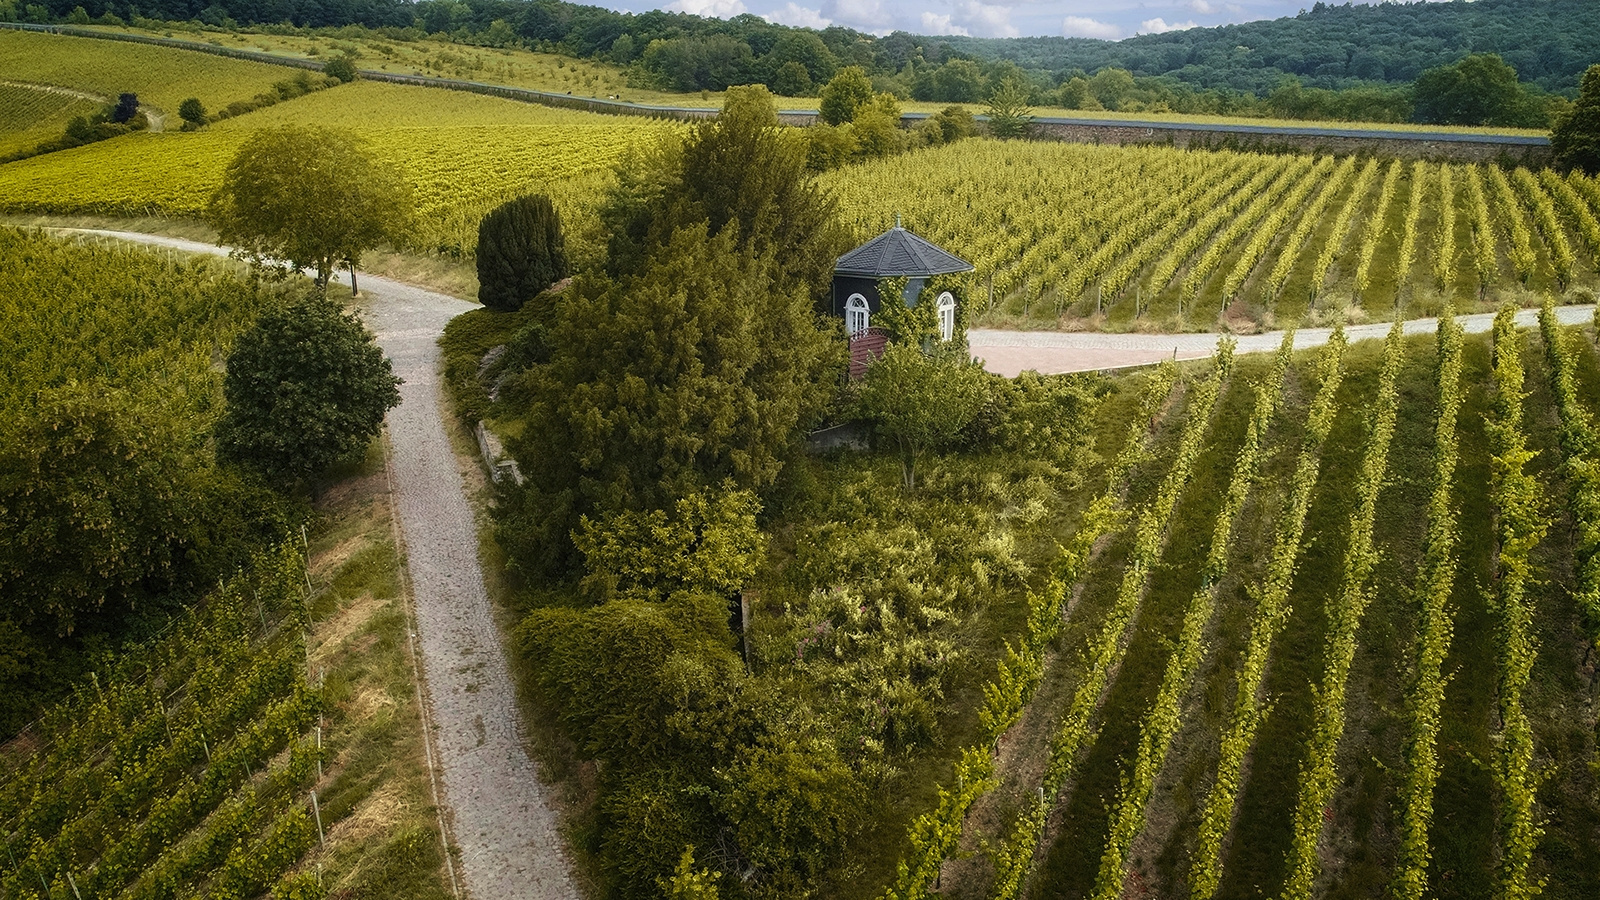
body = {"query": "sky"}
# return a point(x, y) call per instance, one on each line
point(1108, 19)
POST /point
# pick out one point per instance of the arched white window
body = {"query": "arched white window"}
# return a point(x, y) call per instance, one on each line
point(856, 314)
point(947, 316)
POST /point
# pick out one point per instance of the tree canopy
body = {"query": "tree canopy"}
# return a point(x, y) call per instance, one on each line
point(311, 196)
point(1575, 140)
point(521, 251)
point(305, 387)
point(848, 91)
point(921, 402)
point(1481, 89)
point(694, 371)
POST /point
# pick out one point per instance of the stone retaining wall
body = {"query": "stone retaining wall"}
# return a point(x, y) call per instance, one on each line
point(1199, 136)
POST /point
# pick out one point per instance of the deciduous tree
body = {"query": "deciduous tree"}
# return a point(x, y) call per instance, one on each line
point(1576, 138)
point(847, 91)
point(306, 386)
point(192, 111)
point(921, 402)
point(1481, 89)
point(313, 197)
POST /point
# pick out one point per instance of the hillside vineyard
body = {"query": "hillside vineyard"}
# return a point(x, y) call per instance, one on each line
point(1401, 538)
point(1121, 235)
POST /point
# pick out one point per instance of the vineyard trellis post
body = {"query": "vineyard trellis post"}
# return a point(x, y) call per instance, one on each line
point(316, 810)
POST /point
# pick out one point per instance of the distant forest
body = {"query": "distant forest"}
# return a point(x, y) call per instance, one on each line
point(1341, 62)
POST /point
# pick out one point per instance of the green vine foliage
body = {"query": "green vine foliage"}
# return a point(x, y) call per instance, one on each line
point(1106, 645)
point(1519, 526)
point(919, 324)
point(1272, 610)
point(1319, 772)
point(1434, 628)
point(935, 834)
point(1580, 451)
point(1165, 717)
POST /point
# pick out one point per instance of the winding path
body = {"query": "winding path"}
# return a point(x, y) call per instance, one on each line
point(502, 821)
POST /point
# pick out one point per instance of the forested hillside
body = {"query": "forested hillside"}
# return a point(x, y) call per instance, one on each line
point(1550, 42)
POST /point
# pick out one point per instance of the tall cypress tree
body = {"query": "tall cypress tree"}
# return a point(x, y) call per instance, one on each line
point(521, 251)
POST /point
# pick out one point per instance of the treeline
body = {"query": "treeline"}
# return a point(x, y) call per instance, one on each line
point(1326, 46)
point(1360, 63)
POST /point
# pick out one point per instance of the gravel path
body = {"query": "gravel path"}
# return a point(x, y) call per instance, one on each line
point(503, 824)
point(1010, 352)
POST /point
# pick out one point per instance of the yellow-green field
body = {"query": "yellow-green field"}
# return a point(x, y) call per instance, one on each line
point(31, 115)
point(592, 78)
point(463, 154)
point(516, 68)
point(162, 78)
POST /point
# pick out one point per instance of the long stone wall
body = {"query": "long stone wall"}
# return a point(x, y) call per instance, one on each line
point(1407, 145)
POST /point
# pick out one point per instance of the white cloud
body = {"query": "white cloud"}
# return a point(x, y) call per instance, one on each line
point(1202, 7)
point(721, 9)
point(1082, 26)
point(867, 15)
point(936, 24)
point(1159, 25)
point(986, 19)
point(798, 16)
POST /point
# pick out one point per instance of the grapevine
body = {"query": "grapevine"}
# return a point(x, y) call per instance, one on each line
point(1575, 211)
point(1484, 261)
point(1519, 528)
point(1256, 249)
point(1444, 245)
point(1165, 716)
point(1271, 611)
point(1225, 240)
point(1108, 642)
point(1341, 226)
point(1434, 628)
point(1374, 233)
point(1319, 773)
point(934, 835)
point(1544, 216)
point(1307, 224)
point(1408, 236)
point(1580, 450)
point(1523, 257)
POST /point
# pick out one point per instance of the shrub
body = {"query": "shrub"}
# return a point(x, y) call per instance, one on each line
point(192, 111)
point(306, 386)
point(340, 67)
point(127, 107)
point(521, 251)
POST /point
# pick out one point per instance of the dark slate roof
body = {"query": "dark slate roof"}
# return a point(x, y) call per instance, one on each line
point(899, 252)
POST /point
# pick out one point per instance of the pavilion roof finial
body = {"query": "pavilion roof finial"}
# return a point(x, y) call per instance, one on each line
point(897, 219)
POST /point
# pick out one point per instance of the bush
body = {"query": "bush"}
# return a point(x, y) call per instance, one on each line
point(340, 67)
point(305, 387)
point(192, 111)
point(521, 251)
point(127, 107)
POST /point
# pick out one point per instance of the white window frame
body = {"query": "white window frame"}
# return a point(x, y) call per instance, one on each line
point(857, 315)
point(947, 316)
